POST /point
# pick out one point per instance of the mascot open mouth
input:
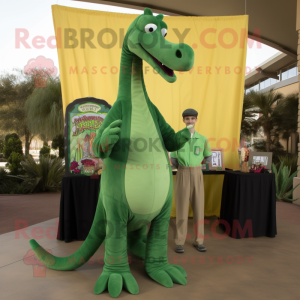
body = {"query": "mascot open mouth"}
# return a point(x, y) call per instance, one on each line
point(167, 70)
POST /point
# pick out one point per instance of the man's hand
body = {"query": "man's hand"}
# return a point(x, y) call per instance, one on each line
point(110, 137)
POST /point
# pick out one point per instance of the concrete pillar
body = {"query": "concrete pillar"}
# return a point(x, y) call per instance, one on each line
point(296, 180)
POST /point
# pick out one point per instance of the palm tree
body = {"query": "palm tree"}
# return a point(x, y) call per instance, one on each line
point(14, 91)
point(248, 117)
point(45, 110)
point(264, 104)
point(286, 115)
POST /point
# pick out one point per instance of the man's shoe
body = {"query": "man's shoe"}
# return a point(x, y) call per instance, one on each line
point(179, 249)
point(200, 248)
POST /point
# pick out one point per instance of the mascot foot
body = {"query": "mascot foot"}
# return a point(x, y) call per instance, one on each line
point(114, 282)
point(168, 274)
point(138, 249)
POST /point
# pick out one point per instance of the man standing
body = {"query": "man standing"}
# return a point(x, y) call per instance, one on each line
point(189, 183)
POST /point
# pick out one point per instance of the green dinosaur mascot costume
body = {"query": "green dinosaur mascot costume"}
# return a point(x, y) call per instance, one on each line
point(136, 182)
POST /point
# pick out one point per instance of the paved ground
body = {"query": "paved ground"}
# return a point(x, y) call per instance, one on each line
point(259, 268)
point(26, 210)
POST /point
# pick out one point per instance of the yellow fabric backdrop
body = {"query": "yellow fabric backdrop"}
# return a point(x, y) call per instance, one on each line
point(214, 87)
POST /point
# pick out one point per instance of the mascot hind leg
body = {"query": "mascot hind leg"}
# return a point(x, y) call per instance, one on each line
point(156, 261)
point(137, 242)
point(116, 272)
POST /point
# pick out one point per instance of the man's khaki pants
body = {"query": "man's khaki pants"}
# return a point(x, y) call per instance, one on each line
point(189, 187)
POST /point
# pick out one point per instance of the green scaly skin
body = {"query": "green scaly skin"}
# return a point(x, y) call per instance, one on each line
point(136, 181)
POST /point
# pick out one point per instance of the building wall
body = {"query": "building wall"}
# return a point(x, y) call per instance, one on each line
point(281, 84)
point(288, 89)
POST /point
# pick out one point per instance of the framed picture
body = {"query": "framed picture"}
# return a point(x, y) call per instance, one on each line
point(217, 160)
point(263, 158)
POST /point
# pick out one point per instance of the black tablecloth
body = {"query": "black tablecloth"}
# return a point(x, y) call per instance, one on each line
point(248, 199)
point(212, 172)
point(78, 202)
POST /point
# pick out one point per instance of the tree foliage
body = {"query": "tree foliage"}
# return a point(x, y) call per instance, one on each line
point(45, 110)
point(248, 118)
point(264, 104)
point(14, 163)
point(45, 176)
point(12, 145)
point(1, 146)
point(285, 116)
point(11, 135)
point(14, 91)
point(45, 151)
point(58, 142)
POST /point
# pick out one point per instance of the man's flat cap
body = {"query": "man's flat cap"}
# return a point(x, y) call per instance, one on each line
point(190, 112)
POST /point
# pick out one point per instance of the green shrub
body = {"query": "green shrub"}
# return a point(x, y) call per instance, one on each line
point(11, 135)
point(45, 176)
point(58, 142)
point(284, 182)
point(45, 151)
point(14, 163)
point(5, 182)
point(289, 160)
point(10, 185)
point(12, 145)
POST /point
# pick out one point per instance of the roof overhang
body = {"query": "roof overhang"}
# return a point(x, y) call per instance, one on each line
point(270, 21)
point(269, 68)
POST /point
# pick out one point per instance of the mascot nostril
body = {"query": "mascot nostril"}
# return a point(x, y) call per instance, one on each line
point(132, 196)
point(178, 54)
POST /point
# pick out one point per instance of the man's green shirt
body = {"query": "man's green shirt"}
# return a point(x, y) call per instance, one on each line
point(193, 151)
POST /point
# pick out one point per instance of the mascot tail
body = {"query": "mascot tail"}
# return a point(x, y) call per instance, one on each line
point(81, 256)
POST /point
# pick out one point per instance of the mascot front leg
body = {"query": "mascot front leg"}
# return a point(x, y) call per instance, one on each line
point(116, 272)
point(156, 262)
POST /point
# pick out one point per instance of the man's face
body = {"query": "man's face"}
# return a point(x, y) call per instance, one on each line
point(190, 120)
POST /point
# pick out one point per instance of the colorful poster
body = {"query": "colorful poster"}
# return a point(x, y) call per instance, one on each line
point(83, 118)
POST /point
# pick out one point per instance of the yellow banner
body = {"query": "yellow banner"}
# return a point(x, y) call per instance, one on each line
point(89, 47)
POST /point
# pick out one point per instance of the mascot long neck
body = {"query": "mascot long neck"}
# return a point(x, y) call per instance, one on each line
point(131, 71)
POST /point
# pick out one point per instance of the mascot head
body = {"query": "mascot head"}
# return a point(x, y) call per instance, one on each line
point(146, 38)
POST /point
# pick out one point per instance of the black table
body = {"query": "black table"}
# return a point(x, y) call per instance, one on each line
point(205, 172)
point(78, 202)
point(248, 207)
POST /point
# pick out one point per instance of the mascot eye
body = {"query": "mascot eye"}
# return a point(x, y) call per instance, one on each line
point(150, 28)
point(164, 32)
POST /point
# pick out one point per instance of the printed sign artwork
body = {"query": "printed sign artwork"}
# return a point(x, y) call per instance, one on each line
point(216, 159)
point(84, 117)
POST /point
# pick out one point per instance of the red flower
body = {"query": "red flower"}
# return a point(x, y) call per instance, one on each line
point(74, 165)
point(88, 162)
